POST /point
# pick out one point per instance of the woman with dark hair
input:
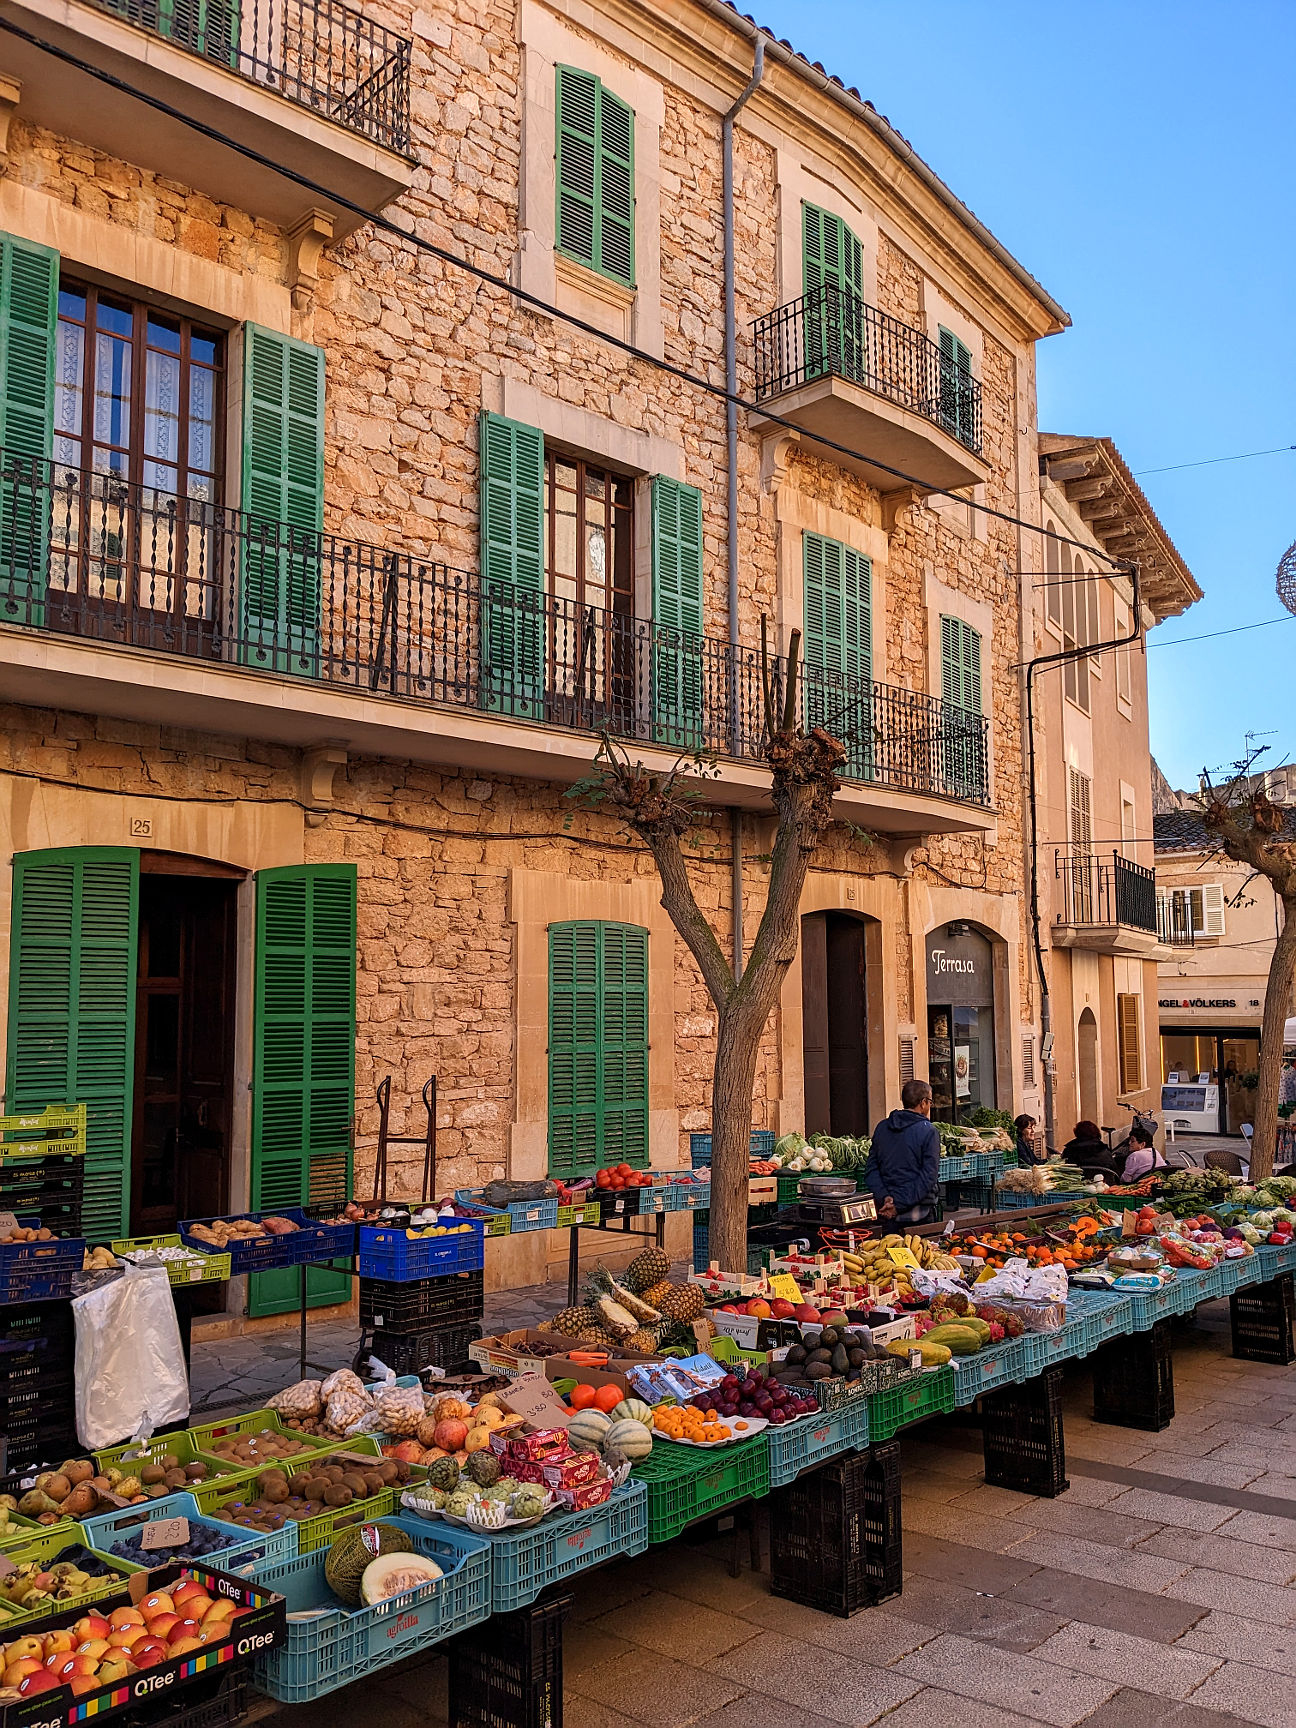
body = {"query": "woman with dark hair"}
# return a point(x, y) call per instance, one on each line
point(1030, 1142)
point(1090, 1151)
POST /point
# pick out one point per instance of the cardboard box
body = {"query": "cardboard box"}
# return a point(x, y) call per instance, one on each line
point(509, 1353)
point(562, 1368)
point(587, 1495)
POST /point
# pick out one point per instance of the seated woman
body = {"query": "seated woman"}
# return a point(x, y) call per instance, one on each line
point(1030, 1142)
point(1090, 1151)
point(1141, 1155)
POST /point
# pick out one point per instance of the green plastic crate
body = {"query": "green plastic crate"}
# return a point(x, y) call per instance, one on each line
point(216, 1501)
point(932, 1394)
point(195, 1268)
point(47, 1548)
point(133, 1453)
point(18, 1533)
point(257, 1422)
point(686, 1483)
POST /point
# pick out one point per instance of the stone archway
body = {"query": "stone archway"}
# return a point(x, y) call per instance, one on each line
point(1087, 1065)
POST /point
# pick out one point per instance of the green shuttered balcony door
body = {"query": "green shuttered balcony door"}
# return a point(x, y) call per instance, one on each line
point(303, 1059)
point(833, 276)
point(598, 1047)
point(839, 647)
point(962, 767)
point(511, 465)
point(28, 321)
point(677, 613)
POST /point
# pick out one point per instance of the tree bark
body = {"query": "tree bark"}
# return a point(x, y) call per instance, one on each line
point(732, 1081)
point(1282, 969)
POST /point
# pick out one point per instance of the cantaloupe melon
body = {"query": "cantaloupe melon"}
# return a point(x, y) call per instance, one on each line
point(393, 1574)
point(354, 1550)
point(629, 1437)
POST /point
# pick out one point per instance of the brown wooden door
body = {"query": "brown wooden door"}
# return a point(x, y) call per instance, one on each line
point(814, 1023)
point(847, 1026)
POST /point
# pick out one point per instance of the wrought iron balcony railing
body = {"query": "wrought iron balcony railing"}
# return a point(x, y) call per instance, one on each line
point(1097, 891)
point(318, 53)
point(833, 333)
point(1174, 921)
point(87, 555)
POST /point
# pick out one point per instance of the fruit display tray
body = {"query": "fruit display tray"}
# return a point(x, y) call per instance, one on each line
point(329, 1646)
point(802, 1444)
point(310, 1242)
point(257, 1422)
point(132, 1454)
point(932, 1394)
point(318, 1531)
point(999, 1364)
point(29, 1270)
point(684, 1484)
point(106, 1528)
point(755, 1425)
point(521, 1214)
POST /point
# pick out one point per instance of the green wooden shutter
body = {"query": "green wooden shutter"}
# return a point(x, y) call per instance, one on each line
point(839, 646)
point(595, 175)
point(598, 1047)
point(960, 664)
point(283, 498)
point(28, 327)
point(512, 466)
point(303, 1057)
point(207, 27)
point(961, 730)
point(72, 978)
point(833, 284)
point(957, 386)
point(677, 612)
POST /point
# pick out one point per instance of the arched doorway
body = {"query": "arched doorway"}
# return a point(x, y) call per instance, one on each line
point(1087, 1052)
point(834, 1023)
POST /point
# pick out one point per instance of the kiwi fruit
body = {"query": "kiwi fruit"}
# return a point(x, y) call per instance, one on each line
point(373, 1482)
point(175, 1479)
point(152, 1473)
point(387, 1470)
point(196, 1472)
point(356, 1483)
point(402, 1472)
point(170, 1462)
point(275, 1492)
point(297, 1483)
point(336, 1495)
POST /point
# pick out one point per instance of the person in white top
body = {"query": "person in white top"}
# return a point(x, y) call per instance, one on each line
point(1142, 1156)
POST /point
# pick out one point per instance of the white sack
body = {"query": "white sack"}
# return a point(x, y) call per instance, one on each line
point(130, 1368)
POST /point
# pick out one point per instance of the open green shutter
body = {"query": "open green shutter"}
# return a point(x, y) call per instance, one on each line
point(833, 278)
point(511, 462)
point(839, 646)
point(72, 978)
point(283, 496)
point(595, 175)
point(616, 187)
point(961, 732)
point(207, 27)
point(303, 1057)
point(28, 326)
point(957, 386)
point(598, 1047)
point(677, 612)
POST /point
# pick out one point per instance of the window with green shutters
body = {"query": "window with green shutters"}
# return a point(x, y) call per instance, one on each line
point(839, 647)
point(595, 161)
point(28, 321)
point(833, 276)
point(207, 27)
point(511, 469)
point(957, 387)
point(72, 966)
point(677, 612)
point(963, 748)
point(303, 1057)
point(283, 495)
point(598, 1047)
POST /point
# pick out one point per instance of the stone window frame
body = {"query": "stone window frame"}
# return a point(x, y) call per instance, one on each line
point(798, 515)
point(634, 314)
point(798, 183)
point(940, 600)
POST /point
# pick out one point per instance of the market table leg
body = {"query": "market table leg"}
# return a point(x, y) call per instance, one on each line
point(508, 1672)
point(1134, 1380)
point(835, 1534)
point(1261, 1318)
point(573, 1264)
point(1022, 1438)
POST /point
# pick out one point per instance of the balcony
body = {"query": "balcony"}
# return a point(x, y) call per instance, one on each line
point(1108, 907)
point(132, 602)
point(838, 367)
point(1174, 921)
point(310, 84)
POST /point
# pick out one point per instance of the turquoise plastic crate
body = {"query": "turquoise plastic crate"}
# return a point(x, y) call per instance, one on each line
point(1010, 1202)
point(959, 1169)
point(338, 1645)
point(1000, 1364)
point(525, 1562)
point(247, 1546)
point(761, 1145)
point(802, 1444)
point(521, 1214)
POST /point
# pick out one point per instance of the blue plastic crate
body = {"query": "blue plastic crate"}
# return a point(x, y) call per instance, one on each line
point(525, 1562)
point(1010, 1202)
point(391, 1253)
point(1104, 1315)
point(260, 1253)
point(32, 1270)
point(989, 1165)
point(1008, 1361)
point(329, 1241)
point(701, 1241)
point(1224, 1279)
point(521, 1214)
point(761, 1146)
point(802, 1444)
point(958, 1169)
point(337, 1645)
point(247, 1545)
point(1250, 1270)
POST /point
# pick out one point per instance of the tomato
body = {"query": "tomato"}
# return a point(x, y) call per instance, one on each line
point(603, 1180)
point(582, 1396)
point(624, 1170)
point(617, 1180)
point(607, 1398)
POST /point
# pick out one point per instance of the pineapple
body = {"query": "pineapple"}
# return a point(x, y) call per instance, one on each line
point(596, 1335)
point(617, 1308)
point(656, 1292)
point(683, 1302)
point(644, 1341)
point(646, 1269)
point(572, 1320)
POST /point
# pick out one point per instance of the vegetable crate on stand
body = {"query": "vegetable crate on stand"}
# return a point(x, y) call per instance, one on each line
point(37, 1393)
point(1134, 1380)
point(525, 1562)
point(107, 1529)
point(800, 1445)
point(391, 1255)
point(931, 1394)
point(835, 1537)
point(456, 1299)
point(762, 1145)
point(1261, 1322)
point(509, 1674)
point(411, 1351)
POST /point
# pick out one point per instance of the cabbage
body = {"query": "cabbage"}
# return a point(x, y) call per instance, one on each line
point(1281, 1215)
point(788, 1147)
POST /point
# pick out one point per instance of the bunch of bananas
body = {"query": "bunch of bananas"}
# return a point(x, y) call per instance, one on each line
point(873, 1263)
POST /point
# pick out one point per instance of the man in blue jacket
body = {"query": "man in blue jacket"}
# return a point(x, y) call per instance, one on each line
point(903, 1171)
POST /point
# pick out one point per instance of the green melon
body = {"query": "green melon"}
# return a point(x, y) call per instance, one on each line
point(631, 1438)
point(352, 1552)
point(588, 1430)
point(633, 1410)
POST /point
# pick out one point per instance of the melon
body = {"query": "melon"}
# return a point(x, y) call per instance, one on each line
point(354, 1550)
point(633, 1410)
point(630, 1437)
point(588, 1430)
point(393, 1574)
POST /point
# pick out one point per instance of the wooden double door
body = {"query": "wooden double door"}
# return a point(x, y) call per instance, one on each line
point(834, 1017)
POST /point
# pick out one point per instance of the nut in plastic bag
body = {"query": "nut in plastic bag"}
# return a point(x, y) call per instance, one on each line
point(346, 1408)
point(399, 1409)
point(337, 1380)
point(300, 1401)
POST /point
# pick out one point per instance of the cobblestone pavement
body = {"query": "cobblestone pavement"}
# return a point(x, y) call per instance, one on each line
point(1155, 1593)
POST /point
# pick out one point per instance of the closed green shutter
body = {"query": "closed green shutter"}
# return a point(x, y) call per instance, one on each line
point(595, 175)
point(283, 497)
point(598, 1047)
point(303, 1057)
point(677, 612)
point(962, 732)
point(207, 27)
point(833, 284)
point(957, 386)
point(72, 978)
point(28, 326)
point(511, 466)
point(839, 647)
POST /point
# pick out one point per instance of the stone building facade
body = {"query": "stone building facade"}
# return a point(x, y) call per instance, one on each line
point(267, 659)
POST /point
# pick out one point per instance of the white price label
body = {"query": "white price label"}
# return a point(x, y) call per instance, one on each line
point(164, 1533)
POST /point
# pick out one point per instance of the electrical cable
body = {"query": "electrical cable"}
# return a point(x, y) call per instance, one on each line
point(1235, 630)
point(524, 297)
point(1210, 461)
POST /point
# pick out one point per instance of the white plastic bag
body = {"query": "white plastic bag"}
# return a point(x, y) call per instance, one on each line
point(130, 1367)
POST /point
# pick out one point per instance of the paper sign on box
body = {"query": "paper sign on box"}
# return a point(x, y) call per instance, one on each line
point(534, 1399)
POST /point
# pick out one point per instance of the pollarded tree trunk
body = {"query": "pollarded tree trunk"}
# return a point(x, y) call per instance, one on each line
point(1282, 968)
point(732, 1084)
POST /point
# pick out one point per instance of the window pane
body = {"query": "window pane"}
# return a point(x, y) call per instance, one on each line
point(202, 431)
point(69, 392)
point(203, 349)
point(164, 335)
point(112, 393)
point(161, 415)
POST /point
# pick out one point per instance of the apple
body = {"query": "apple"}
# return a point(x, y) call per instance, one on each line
point(74, 1664)
point(189, 1627)
point(184, 1589)
point(92, 1626)
point(20, 1669)
point(125, 1617)
point(195, 1606)
point(182, 1647)
point(83, 1683)
point(93, 1647)
point(148, 1652)
point(221, 1609)
point(158, 1603)
point(61, 1638)
point(21, 1647)
point(163, 1625)
point(41, 1680)
point(126, 1636)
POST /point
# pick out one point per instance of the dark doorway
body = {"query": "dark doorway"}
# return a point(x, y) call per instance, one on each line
point(834, 1022)
point(184, 1047)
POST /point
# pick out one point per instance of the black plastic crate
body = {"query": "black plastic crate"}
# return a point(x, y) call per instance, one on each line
point(1261, 1318)
point(508, 1673)
point(429, 1347)
point(41, 1445)
point(215, 1701)
point(455, 1300)
point(1133, 1380)
point(58, 1213)
point(835, 1538)
point(1021, 1433)
point(21, 1322)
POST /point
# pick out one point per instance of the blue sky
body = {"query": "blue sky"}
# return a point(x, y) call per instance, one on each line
point(1137, 157)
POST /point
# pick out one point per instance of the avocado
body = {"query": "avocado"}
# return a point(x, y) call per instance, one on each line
point(840, 1359)
point(797, 1353)
point(829, 1338)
